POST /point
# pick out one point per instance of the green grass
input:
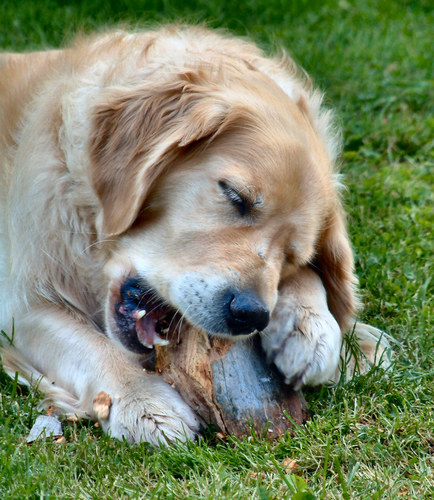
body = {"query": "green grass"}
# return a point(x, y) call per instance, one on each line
point(373, 437)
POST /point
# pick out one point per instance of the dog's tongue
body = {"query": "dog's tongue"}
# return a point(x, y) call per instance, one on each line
point(146, 330)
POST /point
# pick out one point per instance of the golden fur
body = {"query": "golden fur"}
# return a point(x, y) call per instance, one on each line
point(116, 157)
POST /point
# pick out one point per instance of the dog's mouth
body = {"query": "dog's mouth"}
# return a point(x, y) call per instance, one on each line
point(143, 318)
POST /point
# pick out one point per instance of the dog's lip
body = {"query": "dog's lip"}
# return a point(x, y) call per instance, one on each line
point(146, 325)
point(146, 328)
point(141, 314)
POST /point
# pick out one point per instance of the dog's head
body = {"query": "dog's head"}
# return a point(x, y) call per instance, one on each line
point(216, 185)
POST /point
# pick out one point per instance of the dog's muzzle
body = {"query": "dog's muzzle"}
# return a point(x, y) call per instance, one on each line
point(144, 319)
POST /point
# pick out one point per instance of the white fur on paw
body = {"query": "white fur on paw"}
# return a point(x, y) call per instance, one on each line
point(151, 411)
point(304, 345)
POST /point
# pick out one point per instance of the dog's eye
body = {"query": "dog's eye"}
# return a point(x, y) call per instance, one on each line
point(242, 204)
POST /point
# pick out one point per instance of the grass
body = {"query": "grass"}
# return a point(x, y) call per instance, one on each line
point(370, 438)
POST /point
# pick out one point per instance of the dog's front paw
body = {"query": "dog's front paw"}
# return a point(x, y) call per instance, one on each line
point(149, 410)
point(304, 345)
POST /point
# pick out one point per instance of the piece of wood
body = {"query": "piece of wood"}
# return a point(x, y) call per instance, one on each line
point(101, 405)
point(229, 384)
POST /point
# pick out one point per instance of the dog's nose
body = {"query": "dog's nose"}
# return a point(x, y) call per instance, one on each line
point(247, 313)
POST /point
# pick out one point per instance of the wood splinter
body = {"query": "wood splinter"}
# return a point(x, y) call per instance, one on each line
point(101, 405)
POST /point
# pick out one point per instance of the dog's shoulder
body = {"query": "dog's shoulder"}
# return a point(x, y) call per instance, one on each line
point(21, 74)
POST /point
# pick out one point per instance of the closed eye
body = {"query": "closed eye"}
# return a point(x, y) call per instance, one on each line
point(239, 201)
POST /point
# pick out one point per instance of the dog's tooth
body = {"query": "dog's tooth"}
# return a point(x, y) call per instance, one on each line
point(159, 341)
point(141, 313)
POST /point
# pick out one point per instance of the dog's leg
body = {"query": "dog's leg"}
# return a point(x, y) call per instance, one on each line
point(364, 346)
point(83, 362)
point(303, 338)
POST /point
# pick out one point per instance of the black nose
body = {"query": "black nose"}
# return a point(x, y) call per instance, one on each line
point(246, 313)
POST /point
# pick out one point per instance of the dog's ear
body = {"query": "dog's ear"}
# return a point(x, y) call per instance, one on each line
point(138, 132)
point(334, 263)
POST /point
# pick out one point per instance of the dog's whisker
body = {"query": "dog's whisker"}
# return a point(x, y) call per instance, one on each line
point(88, 247)
point(177, 312)
point(179, 325)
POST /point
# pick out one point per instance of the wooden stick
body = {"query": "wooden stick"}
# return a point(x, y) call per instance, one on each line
point(229, 384)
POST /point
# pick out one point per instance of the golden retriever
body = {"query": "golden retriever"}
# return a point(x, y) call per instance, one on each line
point(152, 176)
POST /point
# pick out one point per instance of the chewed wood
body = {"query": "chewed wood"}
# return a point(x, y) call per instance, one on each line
point(229, 384)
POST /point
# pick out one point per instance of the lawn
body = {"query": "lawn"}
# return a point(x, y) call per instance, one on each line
point(372, 437)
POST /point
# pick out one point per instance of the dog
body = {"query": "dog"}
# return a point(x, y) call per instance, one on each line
point(154, 177)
